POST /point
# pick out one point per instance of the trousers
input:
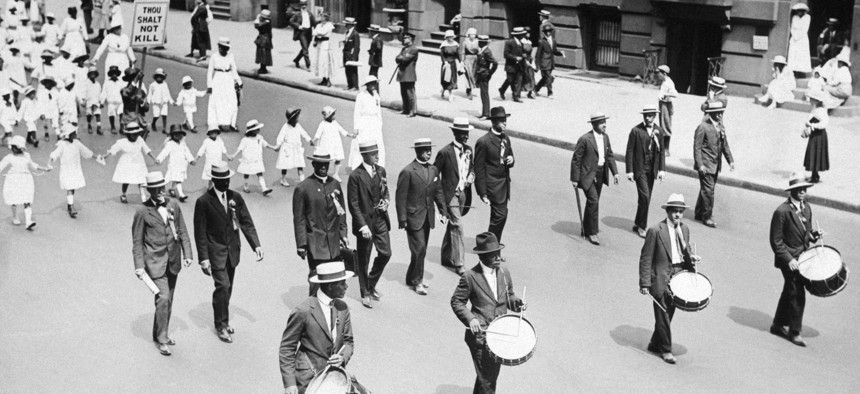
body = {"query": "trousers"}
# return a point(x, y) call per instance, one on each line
point(453, 248)
point(163, 306)
point(666, 112)
point(546, 78)
point(514, 80)
point(418, 250)
point(351, 76)
point(590, 223)
point(367, 280)
point(486, 368)
point(304, 40)
point(484, 86)
point(644, 187)
point(661, 340)
point(705, 202)
point(407, 95)
point(224, 281)
point(792, 301)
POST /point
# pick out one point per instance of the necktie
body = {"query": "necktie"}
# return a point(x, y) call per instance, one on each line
point(333, 312)
point(224, 202)
point(680, 241)
point(502, 146)
point(373, 172)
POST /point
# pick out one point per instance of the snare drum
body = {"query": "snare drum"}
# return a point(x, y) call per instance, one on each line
point(690, 291)
point(823, 271)
point(332, 379)
point(511, 340)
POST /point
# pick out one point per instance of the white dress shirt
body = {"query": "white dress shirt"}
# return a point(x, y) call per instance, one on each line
point(326, 306)
point(490, 276)
point(306, 20)
point(667, 90)
point(677, 258)
point(462, 165)
point(601, 149)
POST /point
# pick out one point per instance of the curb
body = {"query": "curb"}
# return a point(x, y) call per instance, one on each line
point(566, 145)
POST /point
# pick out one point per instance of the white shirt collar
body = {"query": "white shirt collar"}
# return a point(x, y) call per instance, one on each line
point(322, 179)
point(795, 202)
point(367, 167)
point(324, 299)
point(422, 162)
point(458, 145)
point(487, 269)
point(496, 133)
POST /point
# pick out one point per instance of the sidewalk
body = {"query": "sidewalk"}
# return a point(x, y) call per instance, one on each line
point(766, 144)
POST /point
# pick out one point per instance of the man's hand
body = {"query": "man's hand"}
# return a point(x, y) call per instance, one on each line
point(575, 184)
point(731, 166)
point(401, 225)
point(485, 200)
point(365, 232)
point(344, 242)
point(302, 253)
point(259, 252)
point(335, 360)
point(661, 175)
point(615, 179)
point(291, 390)
point(695, 258)
point(475, 326)
point(793, 265)
point(188, 262)
point(509, 160)
point(630, 176)
point(139, 272)
point(206, 267)
point(643, 290)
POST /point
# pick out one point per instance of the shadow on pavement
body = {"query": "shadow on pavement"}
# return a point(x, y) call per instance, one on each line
point(637, 338)
point(617, 222)
point(297, 294)
point(202, 316)
point(452, 389)
point(396, 270)
point(142, 326)
point(569, 229)
point(761, 321)
point(236, 311)
point(688, 162)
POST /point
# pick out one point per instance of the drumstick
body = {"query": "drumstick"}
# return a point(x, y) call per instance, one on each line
point(657, 303)
point(695, 267)
point(522, 312)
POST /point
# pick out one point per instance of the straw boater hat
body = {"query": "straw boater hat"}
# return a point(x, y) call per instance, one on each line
point(252, 125)
point(18, 141)
point(373, 27)
point(663, 68)
point(220, 171)
point(486, 243)
point(155, 180)
point(224, 42)
point(779, 59)
point(368, 147)
point(597, 116)
point(266, 14)
point(47, 53)
point(843, 57)
point(800, 6)
point(320, 155)
point(133, 128)
point(544, 13)
point(449, 34)
point(349, 20)
point(177, 129)
point(676, 200)
point(649, 110)
point(461, 124)
point(334, 271)
point(186, 79)
point(715, 106)
point(370, 79)
point(832, 21)
point(546, 27)
point(518, 31)
point(420, 143)
point(160, 71)
point(293, 112)
point(328, 111)
point(28, 90)
point(797, 181)
point(717, 82)
point(498, 112)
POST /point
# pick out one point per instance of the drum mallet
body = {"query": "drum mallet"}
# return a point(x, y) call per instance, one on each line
point(522, 312)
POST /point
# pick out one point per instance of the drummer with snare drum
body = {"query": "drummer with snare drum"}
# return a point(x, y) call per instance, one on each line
point(489, 288)
point(791, 234)
point(665, 252)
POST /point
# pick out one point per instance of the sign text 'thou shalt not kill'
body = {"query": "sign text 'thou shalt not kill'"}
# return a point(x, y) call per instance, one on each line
point(150, 20)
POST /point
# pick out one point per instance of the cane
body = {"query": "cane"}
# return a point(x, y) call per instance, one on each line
point(579, 211)
point(392, 75)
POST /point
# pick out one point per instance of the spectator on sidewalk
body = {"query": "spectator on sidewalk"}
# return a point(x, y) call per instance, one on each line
point(485, 67)
point(263, 24)
point(200, 30)
point(665, 98)
point(817, 158)
point(118, 47)
point(513, 55)
point(367, 123)
point(469, 55)
point(449, 51)
point(351, 49)
point(529, 66)
point(798, 44)
point(590, 167)
point(547, 50)
point(406, 62)
point(544, 16)
point(644, 163)
point(831, 41)
point(709, 146)
point(303, 24)
point(222, 80)
point(781, 88)
point(374, 59)
point(494, 158)
point(323, 59)
point(838, 87)
point(454, 162)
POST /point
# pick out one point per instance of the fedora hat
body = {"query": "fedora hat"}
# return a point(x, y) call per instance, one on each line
point(518, 30)
point(334, 271)
point(715, 106)
point(461, 124)
point(292, 113)
point(597, 116)
point(132, 128)
point(113, 71)
point(663, 68)
point(800, 6)
point(676, 200)
point(797, 181)
point(487, 242)
point(498, 112)
point(224, 42)
point(370, 79)
point(843, 57)
point(420, 143)
point(252, 125)
point(155, 179)
point(649, 110)
point(717, 82)
point(220, 171)
point(177, 129)
point(349, 20)
point(367, 147)
point(779, 59)
point(320, 155)
point(328, 111)
point(18, 141)
point(186, 79)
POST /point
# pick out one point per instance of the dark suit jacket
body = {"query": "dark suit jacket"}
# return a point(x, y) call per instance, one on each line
point(318, 227)
point(375, 52)
point(214, 235)
point(296, 23)
point(655, 260)
point(485, 65)
point(637, 146)
point(306, 344)
point(513, 48)
point(406, 61)
point(153, 245)
point(546, 53)
point(416, 194)
point(583, 165)
point(446, 163)
point(492, 177)
point(789, 235)
point(351, 47)
point(473, 287)
point(364, 194)
point(709, 146)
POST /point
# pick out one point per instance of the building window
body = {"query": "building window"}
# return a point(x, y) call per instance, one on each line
point(607, 43)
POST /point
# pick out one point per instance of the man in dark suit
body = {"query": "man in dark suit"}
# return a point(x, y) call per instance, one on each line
point(665, 252)
point(513, 54)
point(303, 23)
point(494, 158)
point(406, 61)
point(790, 235)
point(590, 168)
point(830, 41)
point(418, 187)
point(709, 146)
point(319, 330)
point(351, 49)
point(490, 289)
point(454, 162)
point(219, 214)
point(645, 161)
point(547, 50)
point(159, 243)
point(367, 193)
point(374, 59)
point(319, 216)
point(485, 67)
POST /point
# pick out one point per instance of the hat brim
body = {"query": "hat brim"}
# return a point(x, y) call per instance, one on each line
point(293, 114)
point(162, 183)
point(597, 119)
point(500, 247)
point(499, 116)
point(708, 111)
point(361, 152)
point(799, 185)
point(318, 160)
point(133, 131)
point(422, 146)
point(255, 128)
point(346, 275)
point(230, 173)
point(649, 112)
point(721, 86)
point(675, 205)
point(180, 131)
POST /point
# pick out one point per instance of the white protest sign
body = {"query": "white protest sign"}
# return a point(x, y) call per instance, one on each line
point(149, 24)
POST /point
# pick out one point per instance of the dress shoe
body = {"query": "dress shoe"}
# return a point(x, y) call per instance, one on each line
point(669, 358)
point(531, 95)
point(230, 329)
point(710, 223)
point(73, 212)
point(366, 302)
point(164, 350)
point(517, 100)
point(224, 336)
point(375, 295)
point(797, 340)
point(297, 64)
point(419, 289)
point(593, 239)
point(31, 226)
point(267, 191)
point(190, 54)
point(183, 198)
point(779, 331)
point(424, 285)
point(502, 94)
point(639, 231)
point(170, 342)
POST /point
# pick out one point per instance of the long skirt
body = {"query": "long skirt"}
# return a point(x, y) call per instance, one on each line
point(264, 50)
point(324, 60)
point(449, 75)
point(817, 153)
point(18, 189)
point(200, 40)
point(470, 63)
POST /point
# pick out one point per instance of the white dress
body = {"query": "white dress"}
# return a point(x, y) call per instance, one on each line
point(73, 32)
point(131, 167)
point(838, 88)
point(291, 151)
point(178, 156)
point(70, 154)
point(251, 162)
point(18, 188)
point(798, 45)
point(119, 52)
point(328, 138)
point(780, 88)
point(222, 77)
point(213, 152)
point(367, 121)
point(323, 57)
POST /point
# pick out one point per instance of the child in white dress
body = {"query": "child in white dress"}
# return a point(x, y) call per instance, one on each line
point(46, 97)
point(180, 156)
point(29, 113)
point(187, 98)
point(159, 99)
point(111, 96)
point(8, 115)
point(328, 138)
point(18, 188)
point(213, 149)
point(289, 146)
point(131, 167)
point(251, 162)
point(91, 99)
point(69, 152)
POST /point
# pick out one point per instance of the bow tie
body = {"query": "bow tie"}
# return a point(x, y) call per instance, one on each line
point(160, 204)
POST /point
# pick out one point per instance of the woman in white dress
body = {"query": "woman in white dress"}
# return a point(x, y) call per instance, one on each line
point(838, 87)
point(251, 162)
point(323, 57)
point(212, 150)
point(223, 81)
point(781, 87)
point(799, 58)
point(18, 188)
point(289, 146)
point(328, 138)
point(131, 167)
point(118, 47)
point(69, 152)
point(367, 122)
point(179, 156)
point(72, 32)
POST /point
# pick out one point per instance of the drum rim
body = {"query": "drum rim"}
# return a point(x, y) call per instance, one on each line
point(330, 367)
point(508, 361)
point(669, 283)
point(844, 266)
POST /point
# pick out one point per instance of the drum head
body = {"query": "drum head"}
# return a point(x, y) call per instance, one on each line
point(506, 342)
point(332, 381)
point(820, 263)
point(691, 286)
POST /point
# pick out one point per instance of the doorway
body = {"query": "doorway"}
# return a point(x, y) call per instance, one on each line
point(361, 10)
point(525, 14)
point(691, 43)
point(822, 10)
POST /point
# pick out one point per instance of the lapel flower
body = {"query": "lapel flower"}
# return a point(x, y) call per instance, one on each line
point(170, 215)
point(232, 204)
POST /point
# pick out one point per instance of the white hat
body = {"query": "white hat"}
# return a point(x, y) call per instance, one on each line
point(4, 91)
point(676, 200)
point(718, 82)
point(220, 171)
point(461, 124)
point(67, 129)
point(160, 71)
point(19, 141)
point(115, 22)
point(186, 79)
point(797, 181)
point(450, 33)
point(422, 143)
point(368, 146)
point(664, 68)
point(370, 78)
point(779, 59)
point(800, 6)
point(155, 179)
point(518, 30)
point(50, 15)
point(252, 125)
point(224, 42)
point(328, 111)
point(132, 128)
point(597, 116)
point(334, 271)
point(843, 57)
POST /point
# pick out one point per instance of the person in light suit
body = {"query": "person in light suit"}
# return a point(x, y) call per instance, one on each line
point(709, 146)
point(454, 162)
point(590, 167)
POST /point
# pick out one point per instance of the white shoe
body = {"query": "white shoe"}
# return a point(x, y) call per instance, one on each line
point(285, 183)
point(16, 221)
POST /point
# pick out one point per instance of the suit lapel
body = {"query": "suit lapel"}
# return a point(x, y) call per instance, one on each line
point(664, 238)
point(153, 211)
point(795, 217)
point(317, 313)
point(453, 156)
point(419, 169)
point(215, 201)
point(483, 284)
point(501, 289)
point(590, 138)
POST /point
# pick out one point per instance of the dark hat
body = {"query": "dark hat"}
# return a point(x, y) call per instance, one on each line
point(486, 243)
point(293, 112)
point(130, 74)
point(81, 58)
point(177, 129)
point(320, 156)
point(48, 80)
point(220, 171)
point(114, 71)
point(498, 112)
point(155, 179)
point(368, 147)
point(408, 34)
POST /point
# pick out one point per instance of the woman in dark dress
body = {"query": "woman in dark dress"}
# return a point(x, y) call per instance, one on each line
point(200, 30)
point(450, 53)
point(264, 41)
point(817, 157)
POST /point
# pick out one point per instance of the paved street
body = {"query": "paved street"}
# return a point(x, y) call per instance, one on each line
point(76, 319)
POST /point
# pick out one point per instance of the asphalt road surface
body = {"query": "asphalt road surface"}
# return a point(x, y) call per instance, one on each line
point(76, 319)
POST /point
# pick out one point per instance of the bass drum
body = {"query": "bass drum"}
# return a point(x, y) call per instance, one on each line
point(823, 271)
